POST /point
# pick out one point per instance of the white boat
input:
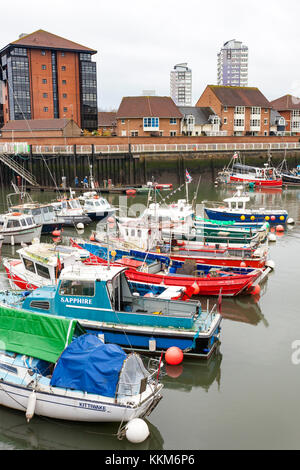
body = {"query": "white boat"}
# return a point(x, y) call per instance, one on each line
point(70, 212)
point(40, 264)
point(96, 207)
point(17, 228)
point(51, 368)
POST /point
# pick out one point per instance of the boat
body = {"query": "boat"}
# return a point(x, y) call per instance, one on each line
point(234, 208)
point(70, 212)
point(40, 264)
point(100, 298)
point(96, 207)
point(52, 368)
point(236, 172)
point(17, 228)
point(290, 177)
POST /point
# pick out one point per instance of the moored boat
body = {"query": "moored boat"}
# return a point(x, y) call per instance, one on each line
point(17, 228)
point(50, 367)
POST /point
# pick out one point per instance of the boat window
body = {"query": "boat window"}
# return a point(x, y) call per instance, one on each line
point(77, 287)
point(240, 205)
point(42, 271)
point(132, 232)
point(29, 265)
point(23, 222)
point(64, 205)
point(50, 209)
point(97, 203)
point(45, 210)
point(13, 223)
point(36, 211)
point(139, 233)
point(89, 203)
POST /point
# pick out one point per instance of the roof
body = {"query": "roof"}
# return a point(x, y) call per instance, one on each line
point(43, 39)
point(90, 273)
point(201, 114)
point(240, 96)
point(106, 118)
point(148, 106)
point(286, 102)
point(36, 125)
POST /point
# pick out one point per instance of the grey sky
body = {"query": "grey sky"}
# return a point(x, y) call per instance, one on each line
point(139, 42)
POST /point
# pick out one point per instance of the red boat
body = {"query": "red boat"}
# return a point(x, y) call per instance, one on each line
point(258, 182)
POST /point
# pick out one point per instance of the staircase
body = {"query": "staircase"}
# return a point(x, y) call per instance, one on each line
point(25, 174)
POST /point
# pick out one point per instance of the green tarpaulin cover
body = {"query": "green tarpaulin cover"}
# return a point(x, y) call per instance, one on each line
point(37, 335)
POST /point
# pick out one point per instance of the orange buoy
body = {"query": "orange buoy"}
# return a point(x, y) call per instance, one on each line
point(174, 355)
point(56, 233)
point(243, 264)
point(273, 217)
point(196, 288)
point(255, 290)
point(279, 228)
point(130, 192)
point(92, 238)
point(16, 213)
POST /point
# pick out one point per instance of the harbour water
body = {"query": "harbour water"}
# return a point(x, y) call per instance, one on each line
point(245, 397)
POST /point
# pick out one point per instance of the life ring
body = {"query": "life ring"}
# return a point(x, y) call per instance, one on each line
point(96, 197)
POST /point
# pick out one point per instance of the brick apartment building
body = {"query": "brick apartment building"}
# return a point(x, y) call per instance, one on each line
point(242, 110)
point(289, 108)
point(46, 76)
point(107, 123)
point(148, 116)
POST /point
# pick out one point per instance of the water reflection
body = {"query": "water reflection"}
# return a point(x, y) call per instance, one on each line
point(193, 374)
point(42, 433)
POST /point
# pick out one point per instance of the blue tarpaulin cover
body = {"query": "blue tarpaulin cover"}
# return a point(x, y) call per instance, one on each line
point(88, 364)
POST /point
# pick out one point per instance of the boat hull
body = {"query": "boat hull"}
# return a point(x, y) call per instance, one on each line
point(21, 236)
point(276, 183)
point(279, 218)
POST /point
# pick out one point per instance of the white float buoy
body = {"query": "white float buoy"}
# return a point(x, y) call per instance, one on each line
point(80, 226)
point(290, 221)
point(137, 430)
point(272, 237)
point(12, 240)
point(31, 406)
point(270, 264)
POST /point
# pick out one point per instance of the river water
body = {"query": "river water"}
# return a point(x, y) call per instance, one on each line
point(245, 397)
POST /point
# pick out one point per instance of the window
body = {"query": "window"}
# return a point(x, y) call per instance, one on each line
point(65, 110)
point(44, 80)
point(173, 120)
point(151, 122)
point(254, 122)
point(42, 271)
point(63, 67)
point(265, 121)
point(225, 120)
point(296, 112)
point(77, 287)
point(134, 133)
point(239, 122)
point(29, 265)
point(239, 110)
point(63, 54)
point(45, 109)
point(225, 109)
point(45, 95)
point(255, 110)
point(43, 52)
point(172, 133)
point(122, 121)
point(64, 82)
point(266, 110)
point(44, 67)
point(64, 95)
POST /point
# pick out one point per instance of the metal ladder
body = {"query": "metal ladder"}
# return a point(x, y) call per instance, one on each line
point(11, 163)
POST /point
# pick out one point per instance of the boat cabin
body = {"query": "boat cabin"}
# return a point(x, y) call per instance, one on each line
point(15, 220)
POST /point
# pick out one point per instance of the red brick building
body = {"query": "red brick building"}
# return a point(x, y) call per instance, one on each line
point(46, 76)
point(107, 124)
point(243, 110)
point(289, 108)
point(148, 116)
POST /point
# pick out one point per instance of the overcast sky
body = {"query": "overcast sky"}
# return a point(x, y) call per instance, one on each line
point(139, 42)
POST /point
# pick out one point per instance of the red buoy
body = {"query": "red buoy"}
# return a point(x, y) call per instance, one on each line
point(174, 356)
point(273, 217)
point(243, 264)
point(279, 228)
point(92, 238)
point(130, 192)
point(56, 233)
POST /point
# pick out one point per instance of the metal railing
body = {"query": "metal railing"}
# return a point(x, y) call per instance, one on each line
point(13, 149)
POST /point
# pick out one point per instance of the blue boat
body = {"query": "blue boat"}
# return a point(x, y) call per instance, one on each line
point(235, 209)
point(100, 298)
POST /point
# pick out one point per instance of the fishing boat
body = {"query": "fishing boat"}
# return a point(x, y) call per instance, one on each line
point(50, 367)
point(237, 172)
point(97, 207)
point(40, 264)
point(234, 208)
point(290, 177)
point(42, 213)
point(100, 298)
point(70, 212)
point(17, 228)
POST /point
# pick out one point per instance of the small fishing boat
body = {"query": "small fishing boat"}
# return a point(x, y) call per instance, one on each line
point(290, 177)
point(43, 214)
point(17, 228)
point(40, 264)
point(70, 212)
point(100, 298)
point(97, 207)
point(237, 172)
point(50, 367)
point(234, 208)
